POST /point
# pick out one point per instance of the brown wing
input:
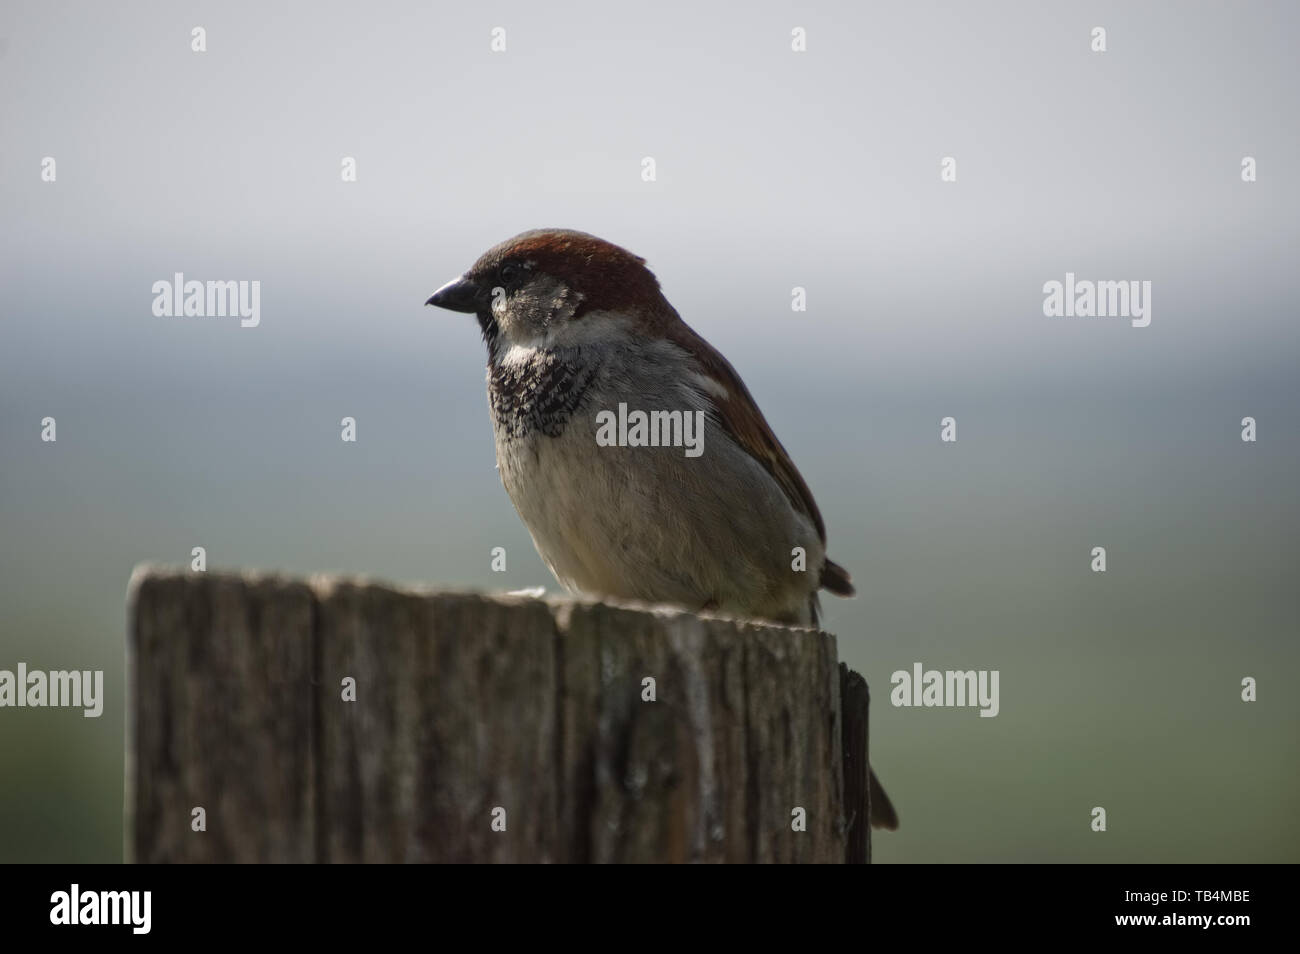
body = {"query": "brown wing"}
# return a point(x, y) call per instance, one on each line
point(741, 418)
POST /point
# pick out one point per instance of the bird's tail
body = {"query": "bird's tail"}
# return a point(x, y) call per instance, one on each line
point(836, 579)
point(882, 809)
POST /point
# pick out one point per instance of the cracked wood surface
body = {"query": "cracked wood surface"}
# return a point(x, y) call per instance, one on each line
point(468, 703)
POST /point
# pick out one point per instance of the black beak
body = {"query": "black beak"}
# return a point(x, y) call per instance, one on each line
point(459, 294)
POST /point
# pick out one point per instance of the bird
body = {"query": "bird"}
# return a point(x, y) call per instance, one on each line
point(631, 448)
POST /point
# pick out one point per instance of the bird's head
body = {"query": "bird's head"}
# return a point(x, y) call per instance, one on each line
point(553, 286)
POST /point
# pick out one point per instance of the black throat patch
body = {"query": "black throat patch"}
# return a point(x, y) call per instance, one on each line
point(540, 395)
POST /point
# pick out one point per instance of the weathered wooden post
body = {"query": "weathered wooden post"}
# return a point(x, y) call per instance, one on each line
point(340, 720)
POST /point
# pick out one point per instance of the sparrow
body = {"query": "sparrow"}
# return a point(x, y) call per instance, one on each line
point(580, 339)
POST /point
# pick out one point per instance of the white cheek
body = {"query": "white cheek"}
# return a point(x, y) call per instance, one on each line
point(517, 354)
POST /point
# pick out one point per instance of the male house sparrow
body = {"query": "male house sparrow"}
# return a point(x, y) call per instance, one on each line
point(580, 336)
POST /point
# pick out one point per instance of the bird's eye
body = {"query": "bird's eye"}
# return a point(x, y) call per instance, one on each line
point(508, 272)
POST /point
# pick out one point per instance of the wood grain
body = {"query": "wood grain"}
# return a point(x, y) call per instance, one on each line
point(471, 707)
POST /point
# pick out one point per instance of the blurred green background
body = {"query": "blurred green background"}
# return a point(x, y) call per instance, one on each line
point(820, 170)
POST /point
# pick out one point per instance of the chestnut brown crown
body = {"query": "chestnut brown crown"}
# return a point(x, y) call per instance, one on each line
point(604, 276)
point(599, 275)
